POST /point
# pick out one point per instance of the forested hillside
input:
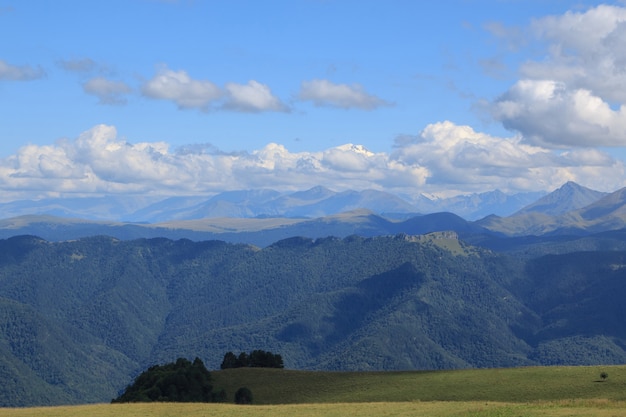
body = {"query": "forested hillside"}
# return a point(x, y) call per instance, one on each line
point(80, 319)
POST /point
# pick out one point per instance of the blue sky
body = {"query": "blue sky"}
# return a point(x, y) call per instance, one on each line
point(149, 97)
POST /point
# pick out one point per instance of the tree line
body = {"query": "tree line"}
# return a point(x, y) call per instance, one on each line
point(256, 359)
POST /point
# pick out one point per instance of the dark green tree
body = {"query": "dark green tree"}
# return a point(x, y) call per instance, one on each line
point(243, 360)
point(230, 361)
point(243, 396)
point(263, 359)
point(180, 381)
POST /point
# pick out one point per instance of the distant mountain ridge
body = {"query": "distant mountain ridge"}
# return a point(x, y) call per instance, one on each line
point(191, 219)
point(313, 203)
point(256, 231)
point(571, 209)
point(261, 217)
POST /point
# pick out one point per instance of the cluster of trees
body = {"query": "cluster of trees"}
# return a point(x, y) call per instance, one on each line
point(180, 381)
point(186, 381)
point(256, 359)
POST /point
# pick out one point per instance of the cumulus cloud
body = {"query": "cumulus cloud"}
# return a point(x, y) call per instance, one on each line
point(187, 93)
point(179, 87)
point(444, 158)
point(252, 97)
point(551, 115)
point(461, 160)
point(326, 93)
point(574, 95)
point(107, 91)
point(20, 73)
point(348, 158)
point(585, 51)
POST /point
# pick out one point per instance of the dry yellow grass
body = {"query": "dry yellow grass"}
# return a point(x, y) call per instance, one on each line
point(596, 408)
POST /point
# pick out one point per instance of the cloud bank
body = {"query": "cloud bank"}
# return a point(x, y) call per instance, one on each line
point(444, 158)
point(574, 95)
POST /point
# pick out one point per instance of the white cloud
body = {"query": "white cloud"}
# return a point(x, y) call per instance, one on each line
point(461, 160)
point(107, 91)
point(586, 51)
point(326, 93)
point(348, 158)
point(444, 158)
point(45, 162)
point(575, 94)
point(187, 93)
point(252, 97)
point(549, 114)
point(19, 73)
point(179, 87)
point(101, 155)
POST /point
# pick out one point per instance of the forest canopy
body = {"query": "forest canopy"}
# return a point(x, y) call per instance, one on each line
point(180, 381)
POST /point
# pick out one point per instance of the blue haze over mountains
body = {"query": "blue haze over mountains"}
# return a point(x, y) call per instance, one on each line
point(262, 217)
point(315, 202)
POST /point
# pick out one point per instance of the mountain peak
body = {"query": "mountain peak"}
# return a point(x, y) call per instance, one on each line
point(316, 192)
point(359, 149)
point(571, 186)
point(570, 196)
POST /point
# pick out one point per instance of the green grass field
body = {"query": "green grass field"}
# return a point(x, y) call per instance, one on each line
point(275, 386)
point(540, 391)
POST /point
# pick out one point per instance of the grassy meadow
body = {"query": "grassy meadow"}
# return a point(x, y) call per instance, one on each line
point(276, 386)
point(540, 391)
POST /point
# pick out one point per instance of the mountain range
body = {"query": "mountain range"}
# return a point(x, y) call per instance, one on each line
point(313, 203)
point(572, 210)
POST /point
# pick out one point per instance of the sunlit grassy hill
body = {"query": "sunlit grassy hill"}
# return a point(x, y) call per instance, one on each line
point(530, 391)
point(276, 386)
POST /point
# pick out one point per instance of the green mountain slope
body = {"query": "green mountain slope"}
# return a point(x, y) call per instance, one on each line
point(79, 319)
